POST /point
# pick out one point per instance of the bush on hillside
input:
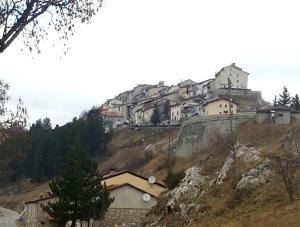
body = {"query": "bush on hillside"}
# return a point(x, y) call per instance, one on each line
point(173, 179)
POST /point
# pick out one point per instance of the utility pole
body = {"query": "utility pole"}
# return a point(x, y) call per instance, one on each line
point(169, 151)
point(234, 171)
point(230, 109)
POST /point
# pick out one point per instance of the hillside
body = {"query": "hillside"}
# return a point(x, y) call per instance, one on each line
point(216, 204)
point(209, 195)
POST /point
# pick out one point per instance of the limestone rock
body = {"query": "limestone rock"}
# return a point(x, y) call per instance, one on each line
point(246, 153)
point(257, 176)
point(182, 198)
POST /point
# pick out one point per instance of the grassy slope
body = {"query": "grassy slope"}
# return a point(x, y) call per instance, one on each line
point(265, 206)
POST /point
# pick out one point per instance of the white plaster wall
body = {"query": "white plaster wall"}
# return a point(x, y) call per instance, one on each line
point(175, 113)
point(129, 197)
point(219, 107)
point(239, 78)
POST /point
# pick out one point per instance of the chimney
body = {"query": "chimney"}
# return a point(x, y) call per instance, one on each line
point(233, 64)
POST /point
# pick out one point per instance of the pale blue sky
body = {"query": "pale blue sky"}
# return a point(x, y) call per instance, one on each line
point(143, 41)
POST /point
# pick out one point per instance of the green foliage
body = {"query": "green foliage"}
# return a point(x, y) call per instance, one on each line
point(79, 192)
point(173, 179)
point(43, 154)
point(155, 118)
point(167, 109)
point(296, 103)
point(284, 98)
point(275, 101)
point(13, 152)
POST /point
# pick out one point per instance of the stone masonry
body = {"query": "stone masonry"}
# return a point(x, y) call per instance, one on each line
point(124, 217)
point(196, 133)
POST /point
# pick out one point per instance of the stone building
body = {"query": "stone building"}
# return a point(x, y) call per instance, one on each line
point(238, 77)
point(277, 115)
point(33, 215)
point(176, 112)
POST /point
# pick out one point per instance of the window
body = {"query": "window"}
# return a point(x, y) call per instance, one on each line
point(177, 112)
point(230, 74)
point(225, 112)
point(220, 105)
point(226, 105)
point(220, 113)
point(237, 81)
point(231, 106)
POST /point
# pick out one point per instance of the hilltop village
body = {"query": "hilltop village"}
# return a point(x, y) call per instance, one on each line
point(179, 102)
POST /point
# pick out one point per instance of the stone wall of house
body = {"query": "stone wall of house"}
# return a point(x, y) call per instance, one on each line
point(196, 133)
point(123, 217)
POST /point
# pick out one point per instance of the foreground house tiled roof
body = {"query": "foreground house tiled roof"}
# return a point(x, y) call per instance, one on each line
point(117, 179)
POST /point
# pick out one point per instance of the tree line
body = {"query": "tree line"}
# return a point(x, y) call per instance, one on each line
point(286, 100)
point(40, 152)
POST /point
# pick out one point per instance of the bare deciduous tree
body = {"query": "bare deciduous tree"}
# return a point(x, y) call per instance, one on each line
point(11, 121)
point(33, 19)
point(288, 162)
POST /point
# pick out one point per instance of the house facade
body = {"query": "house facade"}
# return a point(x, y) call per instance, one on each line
point(134, 196)
point(238, 77)
point(176, 112)
point(218, 106)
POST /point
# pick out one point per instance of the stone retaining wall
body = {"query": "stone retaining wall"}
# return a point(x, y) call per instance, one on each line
point(124, 217)
point(196, 133)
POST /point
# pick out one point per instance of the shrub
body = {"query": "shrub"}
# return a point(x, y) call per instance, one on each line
point(239, 196)
point(173, 179)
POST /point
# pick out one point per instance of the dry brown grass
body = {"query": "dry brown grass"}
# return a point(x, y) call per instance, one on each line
point(29, 192)
point(267, 205)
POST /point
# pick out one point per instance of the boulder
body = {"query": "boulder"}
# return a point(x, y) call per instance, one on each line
point(257, 176)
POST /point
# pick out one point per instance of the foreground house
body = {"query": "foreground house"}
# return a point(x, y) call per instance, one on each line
point(134, 196)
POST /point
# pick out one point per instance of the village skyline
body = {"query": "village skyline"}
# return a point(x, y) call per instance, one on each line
point(112, 55)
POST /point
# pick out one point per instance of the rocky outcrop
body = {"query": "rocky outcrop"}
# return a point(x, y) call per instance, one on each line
point(257, 176)
point(246, 153)
point(182, 199)
point(222, 174)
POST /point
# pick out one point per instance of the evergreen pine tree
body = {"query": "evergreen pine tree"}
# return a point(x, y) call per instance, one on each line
point(167, 110)
point(79, 192)
point(285, 99)
point(275, 101)
point(155, 118)
point(296, 103)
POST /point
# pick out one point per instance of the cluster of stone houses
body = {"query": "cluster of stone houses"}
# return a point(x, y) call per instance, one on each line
point(187, 99)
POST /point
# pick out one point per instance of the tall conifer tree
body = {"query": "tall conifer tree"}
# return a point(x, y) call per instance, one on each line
point(284, 98)
point(79, 192)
